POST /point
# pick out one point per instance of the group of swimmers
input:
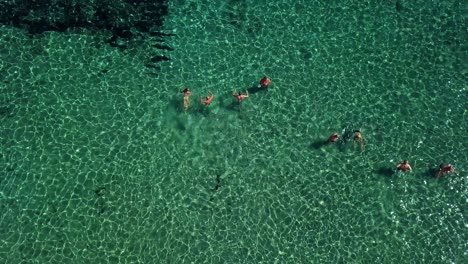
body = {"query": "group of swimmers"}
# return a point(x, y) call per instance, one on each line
point(265, 82)
point(402, 166)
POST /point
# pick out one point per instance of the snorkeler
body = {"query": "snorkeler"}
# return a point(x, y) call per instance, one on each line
point(239, 96)
point(445, 169)
point(333, 138)
point(347, 134)
point(187, 95)
point(358, 136)
point(208, 99)
point(404, 166)
point(264, 82)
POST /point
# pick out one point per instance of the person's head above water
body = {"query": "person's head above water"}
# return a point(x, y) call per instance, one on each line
point(265, 82)
point(333, 137)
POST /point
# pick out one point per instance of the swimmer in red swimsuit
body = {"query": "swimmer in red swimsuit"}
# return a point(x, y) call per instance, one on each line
point(208, 99)
point(264, 82)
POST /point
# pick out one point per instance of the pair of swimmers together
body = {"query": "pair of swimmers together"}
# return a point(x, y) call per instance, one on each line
point(443, 169)
point(264, 83)
point(357, 137)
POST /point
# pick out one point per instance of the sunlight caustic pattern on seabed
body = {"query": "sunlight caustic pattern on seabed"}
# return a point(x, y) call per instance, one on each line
point(102, 165)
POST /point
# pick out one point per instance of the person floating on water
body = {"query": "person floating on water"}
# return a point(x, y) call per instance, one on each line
point(444, 169)
point(264, 82)
point(187, 95)
point(239, 96)
point(358, 136)
point(404, 166)
point(208, 99)
point(333, 137)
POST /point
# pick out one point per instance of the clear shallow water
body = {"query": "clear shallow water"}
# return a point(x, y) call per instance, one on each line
point(101, 164)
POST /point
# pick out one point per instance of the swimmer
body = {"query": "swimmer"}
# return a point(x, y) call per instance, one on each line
point(187, 95)
point(208, 99)
point(264, 82)
point(358, 136)
point(444, 169)
point(239, 96)
point(404, 166)
point(333, 138)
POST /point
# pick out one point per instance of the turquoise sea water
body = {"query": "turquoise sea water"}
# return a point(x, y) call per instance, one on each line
point(100, 164)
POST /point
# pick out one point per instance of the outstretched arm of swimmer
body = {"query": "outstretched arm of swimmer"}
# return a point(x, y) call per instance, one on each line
point(247, 93)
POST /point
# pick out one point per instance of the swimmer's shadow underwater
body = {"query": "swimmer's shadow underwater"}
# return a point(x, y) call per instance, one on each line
point(341, 145)
point(385, 171)
point(177, 103)
point(319, 144)
point(229, 103)
point(431, 173)
point(204, 110)
point(256, 88)
point(180, 125)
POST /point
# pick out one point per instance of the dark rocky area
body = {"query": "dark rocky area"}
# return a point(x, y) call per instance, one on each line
point(124, 18)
